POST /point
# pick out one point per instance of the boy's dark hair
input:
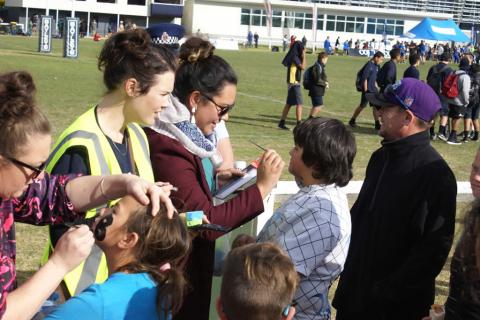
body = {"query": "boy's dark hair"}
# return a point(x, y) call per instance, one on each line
point(413, 59)
point(378, 54)
point(322, 55)
point(445, 57)
point(259, 281)
point(328, 148)
point(394, 53)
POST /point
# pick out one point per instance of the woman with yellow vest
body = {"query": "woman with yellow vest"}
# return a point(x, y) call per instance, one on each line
point(107, 139)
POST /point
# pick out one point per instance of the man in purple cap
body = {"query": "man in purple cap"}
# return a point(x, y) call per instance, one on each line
point(404, 217)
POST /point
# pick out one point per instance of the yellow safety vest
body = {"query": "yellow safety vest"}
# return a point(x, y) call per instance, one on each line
point(102, 161)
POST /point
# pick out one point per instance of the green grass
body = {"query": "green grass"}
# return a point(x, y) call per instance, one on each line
point(67, 87)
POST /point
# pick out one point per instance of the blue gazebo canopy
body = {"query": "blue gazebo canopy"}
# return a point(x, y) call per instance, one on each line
point(441, 30)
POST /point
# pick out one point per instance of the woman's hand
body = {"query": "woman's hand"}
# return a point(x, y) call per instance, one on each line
point(144, 192)
point(72, 248)
point(269, 171)
point(227, 174)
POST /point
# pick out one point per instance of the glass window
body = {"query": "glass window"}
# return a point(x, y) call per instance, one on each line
point(264, 20)
point(390, 30)
point(350, 18)
point(255, 11)
point(398, 31)
point(359, 27)
point(299, 23)
point(350, 27)
point(256, 20)
point(277, 13)
point(288, 22)
point(340, 18)
point(308, 15)
point(380, 21)
point(276, 22)
point(299, 14)
point(308, 24)
point(330, 17)
point(330, 25)
point(319, 24)
point(340, 26)
point(360, 19)
point(380, 28)
point(245, 10)
point(399, 22)
point(371, 28)
point(390, 21)
point(245, 19)
point(372, 20)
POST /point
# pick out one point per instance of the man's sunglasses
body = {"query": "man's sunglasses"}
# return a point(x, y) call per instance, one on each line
point(36, 170)
point(221, 110)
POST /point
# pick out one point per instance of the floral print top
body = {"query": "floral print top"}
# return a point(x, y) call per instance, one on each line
point(44, 202)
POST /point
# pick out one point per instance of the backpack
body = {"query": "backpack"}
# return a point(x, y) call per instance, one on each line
point(382, 75)
point(358, 80)
point(450, 86)
point(434, 80)
point(308, 78)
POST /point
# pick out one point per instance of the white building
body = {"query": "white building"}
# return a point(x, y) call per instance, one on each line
point(342, 18)
point(107, 14)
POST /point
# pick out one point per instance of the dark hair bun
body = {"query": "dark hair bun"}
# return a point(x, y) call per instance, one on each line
point(196, 49)
point(17, 92)
point(132, 44)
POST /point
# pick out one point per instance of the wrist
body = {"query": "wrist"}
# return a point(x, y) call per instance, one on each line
point(56, 263)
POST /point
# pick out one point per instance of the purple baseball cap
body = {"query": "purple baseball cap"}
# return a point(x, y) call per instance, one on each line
point(410, 94)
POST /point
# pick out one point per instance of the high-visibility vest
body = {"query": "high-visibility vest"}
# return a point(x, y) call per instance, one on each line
point(85, 132)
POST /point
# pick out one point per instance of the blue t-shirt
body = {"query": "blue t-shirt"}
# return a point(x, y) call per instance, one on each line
point(122, 296)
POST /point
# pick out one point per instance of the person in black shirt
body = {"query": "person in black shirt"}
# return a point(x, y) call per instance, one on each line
point(368, 83)
point(320, 84)
point(388, 73)
point(412, 71)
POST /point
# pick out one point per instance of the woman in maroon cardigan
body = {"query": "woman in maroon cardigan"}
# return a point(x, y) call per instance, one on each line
point(184, 154)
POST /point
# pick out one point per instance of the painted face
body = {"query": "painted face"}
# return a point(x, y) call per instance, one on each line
point(115, 226)
point(19, 176)
point(146, 107)
point(391, 119)
point(475, 176)
point(208, 109)
point(296, 166)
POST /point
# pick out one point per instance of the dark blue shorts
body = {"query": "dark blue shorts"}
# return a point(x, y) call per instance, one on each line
point(317, 101)
point(294, 96)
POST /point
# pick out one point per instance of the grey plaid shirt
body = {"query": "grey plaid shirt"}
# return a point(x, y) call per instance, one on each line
point(313, 227)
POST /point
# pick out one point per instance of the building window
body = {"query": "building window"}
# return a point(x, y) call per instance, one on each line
point(245, 17)
point(277, 19)
point(136, 2)
point(385, 26)
point(320, 22)
point(299, 16)
point(107, 1)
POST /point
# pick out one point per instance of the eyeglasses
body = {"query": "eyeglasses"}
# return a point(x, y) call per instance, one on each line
point(221, 110)
point(389, 90)
point(36, 170)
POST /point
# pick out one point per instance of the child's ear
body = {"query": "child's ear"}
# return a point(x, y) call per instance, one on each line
point(130, 239)
point(219, 307)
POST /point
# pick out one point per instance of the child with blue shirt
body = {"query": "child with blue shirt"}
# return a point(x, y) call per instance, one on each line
point(313, 226)
point(143, 253)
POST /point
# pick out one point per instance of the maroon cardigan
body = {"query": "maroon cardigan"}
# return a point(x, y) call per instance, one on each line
point(173, 163)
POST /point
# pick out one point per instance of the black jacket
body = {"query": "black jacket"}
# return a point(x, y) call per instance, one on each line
point(320, 80)
point(388, 73)
point(402, 230)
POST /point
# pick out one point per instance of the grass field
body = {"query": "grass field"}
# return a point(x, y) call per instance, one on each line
point(66, 88)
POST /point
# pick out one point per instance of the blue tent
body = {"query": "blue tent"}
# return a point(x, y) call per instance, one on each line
point(441, 30)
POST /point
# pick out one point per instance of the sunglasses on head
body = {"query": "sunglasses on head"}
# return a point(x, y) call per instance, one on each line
point(391, 91)
point(221, 110)
point(36, 170)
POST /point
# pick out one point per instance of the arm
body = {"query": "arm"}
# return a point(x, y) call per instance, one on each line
point(321, 79)
point(186, 173)
point(72, 248)
point(224, 146)
point(365, 74)
point(391, 73)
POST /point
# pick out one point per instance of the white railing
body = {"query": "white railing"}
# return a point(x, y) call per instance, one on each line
point(290, 187)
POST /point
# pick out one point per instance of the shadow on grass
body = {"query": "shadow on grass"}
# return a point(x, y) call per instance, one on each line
point(23, 275)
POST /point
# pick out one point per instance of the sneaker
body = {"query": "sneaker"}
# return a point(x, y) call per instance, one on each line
point(453, 141)
point(461, 135)
point(475, 136)
point(466, 138)
point(472, 135)
point(352, 124)
point(442, 137)
point(283, 127)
